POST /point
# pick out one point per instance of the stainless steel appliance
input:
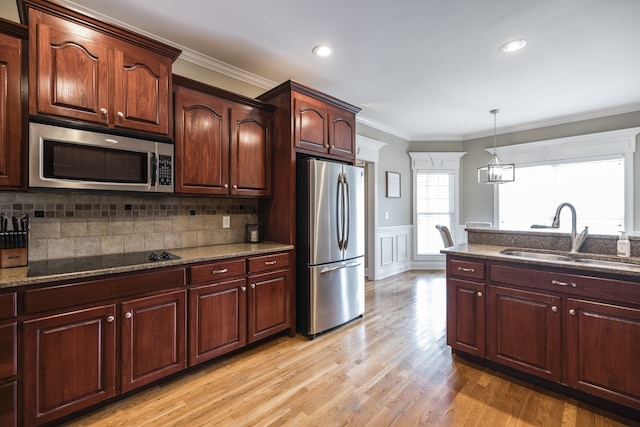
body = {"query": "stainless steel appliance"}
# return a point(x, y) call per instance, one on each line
point(330, 245)
point(61, 157)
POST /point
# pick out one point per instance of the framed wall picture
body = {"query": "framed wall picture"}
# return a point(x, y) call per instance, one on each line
point(393, 184)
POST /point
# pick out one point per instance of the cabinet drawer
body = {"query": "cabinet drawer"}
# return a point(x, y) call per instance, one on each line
point(8, 355)
point(216, 270)
point(570, 284)
point(466, 269)
point(8, 305)
point(268, 262)
point(68, 295)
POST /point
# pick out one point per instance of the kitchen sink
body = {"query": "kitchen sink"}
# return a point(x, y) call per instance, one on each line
point(575, 258)
point(537, 255)
point(605, 263)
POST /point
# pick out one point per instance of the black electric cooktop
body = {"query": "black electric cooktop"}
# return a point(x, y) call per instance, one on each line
point(75, 265)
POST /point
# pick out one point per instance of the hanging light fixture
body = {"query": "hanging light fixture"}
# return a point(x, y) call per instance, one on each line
point(496, 171)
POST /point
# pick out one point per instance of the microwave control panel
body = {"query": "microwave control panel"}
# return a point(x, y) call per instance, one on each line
point(165, 169)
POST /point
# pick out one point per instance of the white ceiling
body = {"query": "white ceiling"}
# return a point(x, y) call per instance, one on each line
point(420, 69)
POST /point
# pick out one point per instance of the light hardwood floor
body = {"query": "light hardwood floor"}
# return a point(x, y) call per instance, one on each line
point(391, 368)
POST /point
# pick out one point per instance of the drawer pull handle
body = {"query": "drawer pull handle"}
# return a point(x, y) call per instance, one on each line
point(559, 283)
point(270, 262)
point(467, 270)
point(224, 270)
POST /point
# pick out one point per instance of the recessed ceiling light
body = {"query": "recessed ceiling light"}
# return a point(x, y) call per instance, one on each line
point(322, 50)
point(513, 45)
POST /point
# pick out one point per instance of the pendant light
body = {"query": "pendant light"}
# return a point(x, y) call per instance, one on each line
point(496, 171)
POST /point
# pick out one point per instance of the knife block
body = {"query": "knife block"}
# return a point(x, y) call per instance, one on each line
point(14, 249)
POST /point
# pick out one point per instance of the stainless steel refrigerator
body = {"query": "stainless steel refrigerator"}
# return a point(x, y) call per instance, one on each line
point(330, 245)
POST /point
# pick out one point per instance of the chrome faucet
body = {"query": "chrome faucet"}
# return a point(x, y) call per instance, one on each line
point(576, 239)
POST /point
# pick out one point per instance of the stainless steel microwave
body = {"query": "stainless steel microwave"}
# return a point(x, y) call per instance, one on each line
point(76, 159)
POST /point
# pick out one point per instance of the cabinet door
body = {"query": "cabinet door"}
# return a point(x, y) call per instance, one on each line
point(141, 81)
point(153, 338)
point(524, 331)
point(311, 124)
point(201, 143)
point(602, 350)
point(11, 117)
point(269, 310)
point(69, 363)
point(8, 404)
point(250, 159)
point(217, 319)
point(8, 350)
point(466, 316)
point(72, 72)
point(342, 133)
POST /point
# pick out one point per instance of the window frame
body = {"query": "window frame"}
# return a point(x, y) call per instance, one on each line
point(440, 162)
point(594, 146)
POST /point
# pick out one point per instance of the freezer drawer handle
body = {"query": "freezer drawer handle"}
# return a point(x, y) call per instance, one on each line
point(224, 270)
point(330, 269)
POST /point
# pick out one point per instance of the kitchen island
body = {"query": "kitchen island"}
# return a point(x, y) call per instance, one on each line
point(544, 313)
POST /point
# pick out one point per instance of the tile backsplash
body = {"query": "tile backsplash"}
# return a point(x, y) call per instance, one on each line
point(78, 224)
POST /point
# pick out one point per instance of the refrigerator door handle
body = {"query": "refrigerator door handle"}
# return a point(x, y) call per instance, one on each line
point(330, 269)
point(340, 212)
point(347, 207)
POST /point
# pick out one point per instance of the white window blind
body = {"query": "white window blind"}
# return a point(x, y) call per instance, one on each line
point(435, 204)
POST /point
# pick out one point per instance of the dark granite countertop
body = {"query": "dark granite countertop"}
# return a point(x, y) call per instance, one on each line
point(493, 253)
point(19, 276)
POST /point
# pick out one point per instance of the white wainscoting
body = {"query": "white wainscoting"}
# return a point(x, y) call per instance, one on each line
point(394, 247)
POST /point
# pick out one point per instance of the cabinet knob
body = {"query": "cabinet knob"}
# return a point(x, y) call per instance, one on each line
point(226, 186)
point(554, 308)
point(253, 286)
point(110, 319)
point(243, 288)
point(572, 312)
point(480, 294)
point(103, 111)
point(127, 315)
point(235, 187)
point(120, 114)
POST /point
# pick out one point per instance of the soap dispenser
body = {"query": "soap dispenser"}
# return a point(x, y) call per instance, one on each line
point(624, 246)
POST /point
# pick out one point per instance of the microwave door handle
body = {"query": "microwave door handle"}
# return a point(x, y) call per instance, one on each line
point(154, 169)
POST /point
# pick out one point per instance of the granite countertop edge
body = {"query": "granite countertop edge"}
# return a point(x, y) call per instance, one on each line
point(492, 252)
point(17, 276)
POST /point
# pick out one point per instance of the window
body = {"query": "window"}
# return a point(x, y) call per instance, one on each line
point(593, 172)
point(435, 202)
point(595, 188)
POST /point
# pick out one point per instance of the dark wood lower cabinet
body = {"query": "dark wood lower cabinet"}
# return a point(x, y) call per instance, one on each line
point(466, 316)
point(217, 319)
point(153, 338)
point(69, 362)
point(603, 343)
point(269, 310)
point(579, 329)
point(524, 331)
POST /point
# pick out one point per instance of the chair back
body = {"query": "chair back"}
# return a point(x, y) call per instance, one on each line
point(446, 235)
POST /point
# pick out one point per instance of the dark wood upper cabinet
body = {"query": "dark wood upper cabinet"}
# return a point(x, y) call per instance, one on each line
point(12, 113)
point(83, 69)
point(222, 142)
